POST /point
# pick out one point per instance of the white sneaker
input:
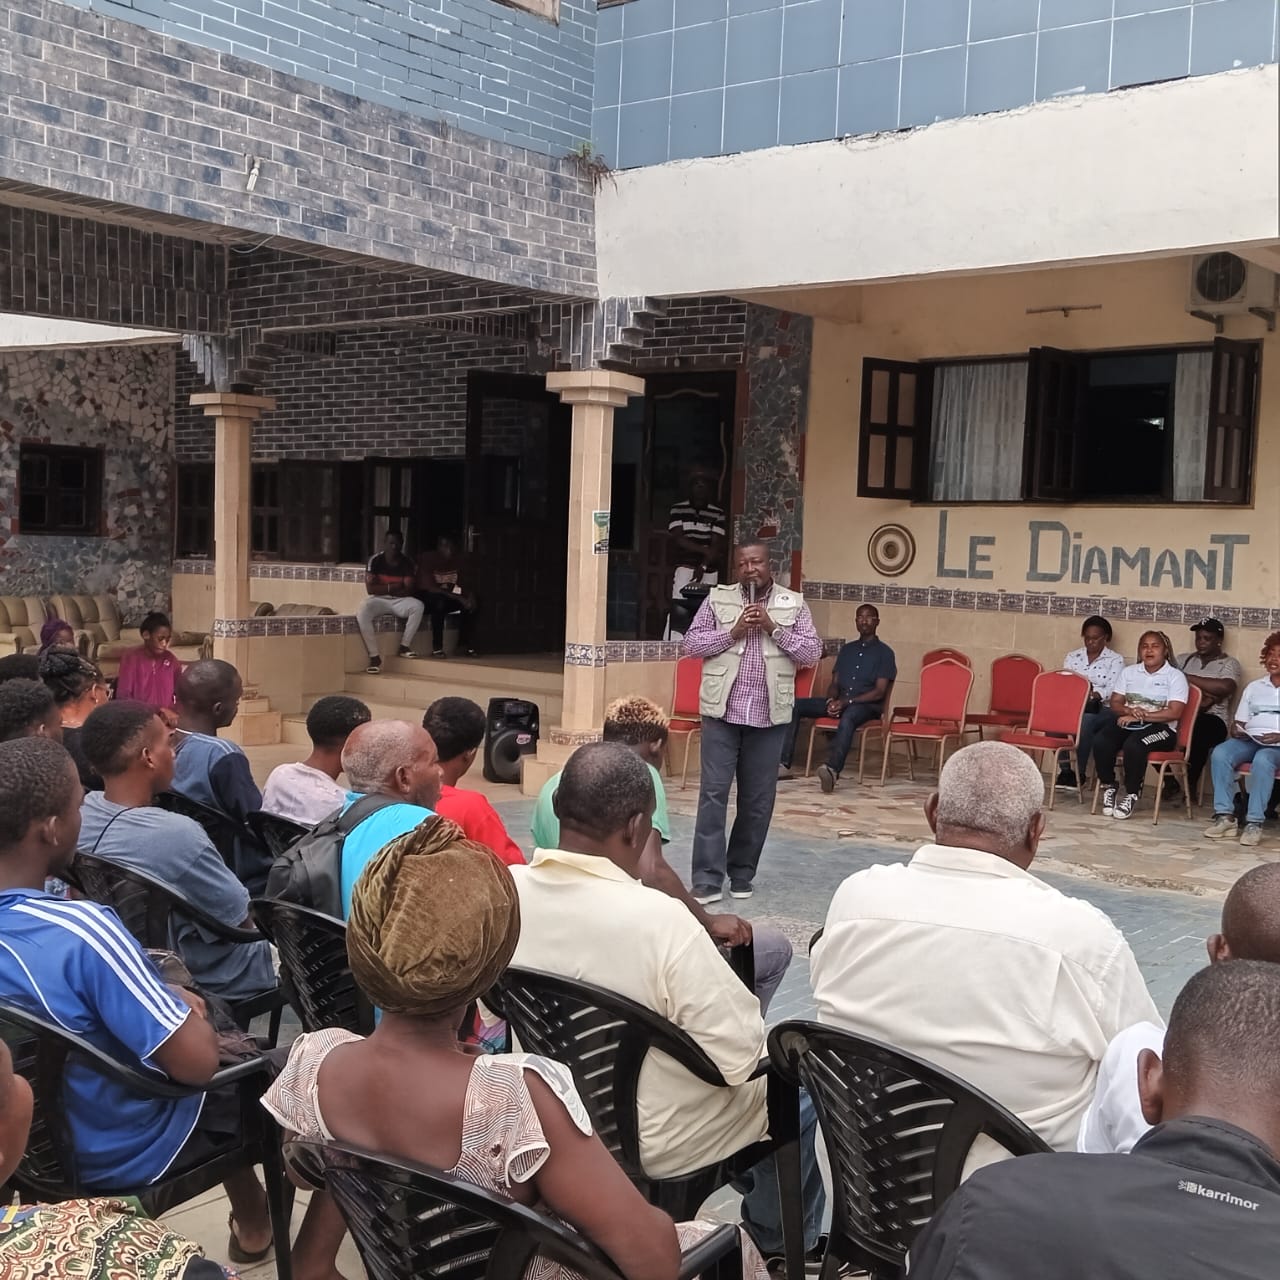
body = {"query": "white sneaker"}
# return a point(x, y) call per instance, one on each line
point(1223, 825)
point(1124, 807)
point(705, 896)
point(1252, 833)
point(1108, 802)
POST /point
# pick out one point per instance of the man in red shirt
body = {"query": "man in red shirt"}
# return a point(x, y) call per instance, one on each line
point(457, 726)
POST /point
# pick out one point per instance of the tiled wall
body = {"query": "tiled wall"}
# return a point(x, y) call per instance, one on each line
point(492, 69)
point(677, 79)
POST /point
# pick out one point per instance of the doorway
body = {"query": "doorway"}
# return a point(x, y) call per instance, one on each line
point(684, 422)
point(517, 511)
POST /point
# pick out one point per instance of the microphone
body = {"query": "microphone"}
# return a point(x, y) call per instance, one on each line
point(751, 592)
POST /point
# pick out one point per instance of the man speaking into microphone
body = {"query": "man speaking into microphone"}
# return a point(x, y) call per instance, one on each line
point(751, 638)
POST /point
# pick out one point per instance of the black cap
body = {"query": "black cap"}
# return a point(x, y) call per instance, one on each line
point(1210, 624)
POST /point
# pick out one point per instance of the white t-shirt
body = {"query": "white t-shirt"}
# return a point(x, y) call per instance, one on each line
point(1114, 1121)
point(1153, 690)
point(1259, 708)
point(301, 794)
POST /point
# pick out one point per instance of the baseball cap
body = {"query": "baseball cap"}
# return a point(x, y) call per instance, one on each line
point(1210, 624)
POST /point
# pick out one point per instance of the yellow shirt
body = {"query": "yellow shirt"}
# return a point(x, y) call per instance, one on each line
point(965, 960)
point(584, 917)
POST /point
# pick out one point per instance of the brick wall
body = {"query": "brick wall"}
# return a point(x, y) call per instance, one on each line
point(147, 129)
point(703, 333)
point(486, 67)
point(74, 269)
point(383, 392)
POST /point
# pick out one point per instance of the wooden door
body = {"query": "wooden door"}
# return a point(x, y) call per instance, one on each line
point(517, 508)
point(1056, 387)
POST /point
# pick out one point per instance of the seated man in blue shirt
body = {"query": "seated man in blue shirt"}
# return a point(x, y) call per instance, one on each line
point(213, 771)
point(75, 962)
point(129, 746)
point(398, 761)
point(864, 672)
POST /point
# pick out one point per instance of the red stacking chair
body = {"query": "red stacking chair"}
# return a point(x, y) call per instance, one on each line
point(1012, 679)
point(1174, 760)
point(686, 720)
point(934, 655)
point(944, 700)
point(829, 725)
point(1057, 706)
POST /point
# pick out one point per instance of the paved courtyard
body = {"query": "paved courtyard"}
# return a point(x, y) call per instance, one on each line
point(1162, 885)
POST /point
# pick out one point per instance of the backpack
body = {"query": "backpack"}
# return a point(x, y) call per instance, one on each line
point(309, 871)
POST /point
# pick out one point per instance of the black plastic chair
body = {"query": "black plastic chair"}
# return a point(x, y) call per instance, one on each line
point(313, 962)
point(274, 833)
point(240, 848)
point(48, 1170)
point(603, 1038)
point(897, 1132)
point(409, 1221)
point(151, 911)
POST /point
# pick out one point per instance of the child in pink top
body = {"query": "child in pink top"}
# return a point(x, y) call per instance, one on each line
point(150, 672)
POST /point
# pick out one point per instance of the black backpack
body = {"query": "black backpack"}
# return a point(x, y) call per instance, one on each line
point(309, 871)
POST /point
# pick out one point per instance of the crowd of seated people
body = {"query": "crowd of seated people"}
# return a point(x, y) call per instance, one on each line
point(962, 956)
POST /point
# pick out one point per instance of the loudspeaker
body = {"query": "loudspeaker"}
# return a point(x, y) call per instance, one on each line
point(511, 731)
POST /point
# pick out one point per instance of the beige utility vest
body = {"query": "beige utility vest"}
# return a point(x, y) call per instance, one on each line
point(719, 672)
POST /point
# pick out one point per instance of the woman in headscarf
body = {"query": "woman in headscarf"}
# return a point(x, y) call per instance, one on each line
point(434, 922)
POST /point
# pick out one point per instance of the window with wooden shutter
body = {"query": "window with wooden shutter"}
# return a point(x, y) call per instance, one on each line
point(1054, 435)
point(1233, 400)
point(893, 429)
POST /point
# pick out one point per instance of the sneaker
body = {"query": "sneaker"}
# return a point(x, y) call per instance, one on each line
point(705, 895)
point(1252, 833)
point(1067, 778)
point(374, 667)
point(826, 779)
point(784, 773)
point(406, 652)
point(1108, 802)
point(1124, 808)
point(1223, 825)
point(438, 653)
point(740, 888)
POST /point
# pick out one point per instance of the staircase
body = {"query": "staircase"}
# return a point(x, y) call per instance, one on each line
point(406, 687)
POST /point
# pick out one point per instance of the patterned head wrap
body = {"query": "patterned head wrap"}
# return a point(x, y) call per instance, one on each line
point(434, 921)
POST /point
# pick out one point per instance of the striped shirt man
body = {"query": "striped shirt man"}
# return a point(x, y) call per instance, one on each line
point(696, 523)
point(75, 964)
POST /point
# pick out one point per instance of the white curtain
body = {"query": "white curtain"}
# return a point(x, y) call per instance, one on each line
point(979, 420)
point(1191, 387)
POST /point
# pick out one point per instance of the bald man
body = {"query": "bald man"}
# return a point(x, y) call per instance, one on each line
point(968, 960)
point(393, 770)
point(1250, 931)
point(1199, 1196)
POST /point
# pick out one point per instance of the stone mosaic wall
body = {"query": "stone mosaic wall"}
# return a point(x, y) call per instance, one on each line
point(771, 459)
point(117, 399)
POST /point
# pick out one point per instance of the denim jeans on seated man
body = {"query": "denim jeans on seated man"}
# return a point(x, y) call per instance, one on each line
point(1264, 764)
point(761, 1214)
point(854, 716)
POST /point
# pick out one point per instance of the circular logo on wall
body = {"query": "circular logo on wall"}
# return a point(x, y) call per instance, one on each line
point(891, 549)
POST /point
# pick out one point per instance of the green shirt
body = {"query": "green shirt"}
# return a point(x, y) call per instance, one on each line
point(546, 826)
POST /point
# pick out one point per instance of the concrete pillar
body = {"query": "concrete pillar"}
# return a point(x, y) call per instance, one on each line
point(233, 416)
point(594, 394)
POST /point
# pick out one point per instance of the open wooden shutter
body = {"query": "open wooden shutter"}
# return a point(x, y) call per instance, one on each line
point(1233, 402)
point(893, 429)
point(1055, 413)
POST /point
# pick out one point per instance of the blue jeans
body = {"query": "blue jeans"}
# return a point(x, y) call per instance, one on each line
point(761, 1214)
point(854, 716)
point(773, 956)
point(1263, 767)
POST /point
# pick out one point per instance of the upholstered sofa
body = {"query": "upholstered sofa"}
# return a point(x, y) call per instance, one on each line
point(97, 619)
point(21, 618)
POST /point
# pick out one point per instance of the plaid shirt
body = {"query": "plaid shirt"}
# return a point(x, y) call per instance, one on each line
point(749, 697)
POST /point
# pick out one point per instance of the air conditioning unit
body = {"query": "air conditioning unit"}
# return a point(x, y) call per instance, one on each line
point(1224, 284)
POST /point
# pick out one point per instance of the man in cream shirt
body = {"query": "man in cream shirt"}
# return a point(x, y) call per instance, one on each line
point(964, 958)
point(585, 915)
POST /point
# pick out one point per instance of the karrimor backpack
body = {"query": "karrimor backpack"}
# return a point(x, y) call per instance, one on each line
point(309, 871)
